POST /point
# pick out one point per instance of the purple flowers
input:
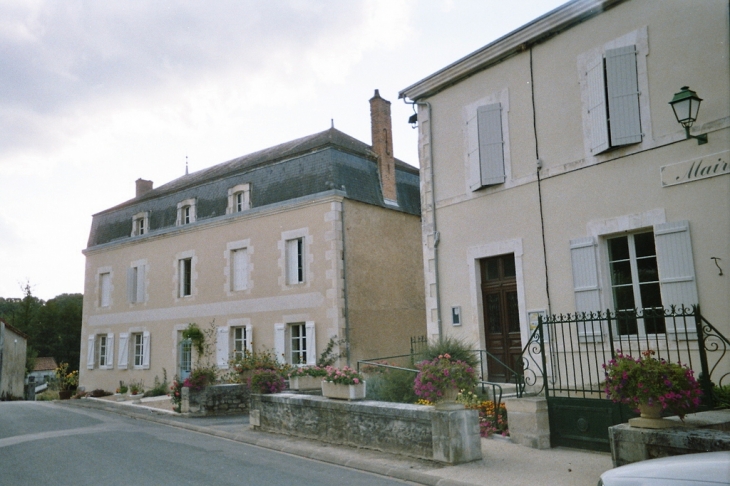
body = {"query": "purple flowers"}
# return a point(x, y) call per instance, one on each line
point(443, 373)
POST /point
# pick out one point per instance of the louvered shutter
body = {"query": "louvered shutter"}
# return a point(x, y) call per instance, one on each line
point(105, 289)
point(90, 352)
point(586, 285)
point(623, 96)
point(240, 277)
point(123, 360)
point(146, 350)
point(280, 342)
point(491, 144)
point(222, 347)
point(249, 338)
point(311, 343)
point(131, 284)
point(292, 256)
point(475, 170)
point(676, 269)
point(110, 351)
point(597, 113)
point(141, 271)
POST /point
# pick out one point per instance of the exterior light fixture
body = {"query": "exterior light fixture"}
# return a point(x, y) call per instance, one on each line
point(686, 104)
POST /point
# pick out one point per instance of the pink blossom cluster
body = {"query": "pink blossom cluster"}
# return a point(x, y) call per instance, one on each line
point(442, 373)
point(343, 376)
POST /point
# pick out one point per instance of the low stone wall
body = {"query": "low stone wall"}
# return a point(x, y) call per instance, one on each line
point(700, 432)
point(216, 400)
point(412, 430)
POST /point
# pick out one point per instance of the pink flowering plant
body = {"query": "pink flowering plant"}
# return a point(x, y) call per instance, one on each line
point(266, 381)
point(443, 373)
point(649, 380)
point(343, 376)
point(315, 371)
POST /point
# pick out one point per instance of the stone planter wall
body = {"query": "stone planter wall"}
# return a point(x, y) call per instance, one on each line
point(216, 400)
point(413, 430)
point(528, 422)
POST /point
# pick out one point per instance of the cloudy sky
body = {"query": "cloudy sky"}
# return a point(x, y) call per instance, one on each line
point(94, 95)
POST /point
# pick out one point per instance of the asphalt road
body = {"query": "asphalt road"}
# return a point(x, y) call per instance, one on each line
point(43, 443)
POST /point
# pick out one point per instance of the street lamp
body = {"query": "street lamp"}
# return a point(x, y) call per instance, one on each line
point(686, 104)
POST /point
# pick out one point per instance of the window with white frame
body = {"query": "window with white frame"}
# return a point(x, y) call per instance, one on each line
point(233, 341)
point(100, 353)
point(295, 343)
point(140, 224)
point(239, 198)
point(645, 270)
point(185, 278)
point(295, 261)
point(105, 289)
point(186, 212)
point(485, 137)
point(240, 341)
point(239, 269)
point(103, 350)
point(140, 348)
point(136, 282)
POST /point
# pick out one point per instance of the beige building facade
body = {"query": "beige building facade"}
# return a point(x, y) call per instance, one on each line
point(280, 250)
point(555, 177)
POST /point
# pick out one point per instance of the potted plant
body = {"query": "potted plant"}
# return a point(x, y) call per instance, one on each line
point(306, 377)
point(67, 381)
point(243, 365)
point(651, 385)
point(136, 388)
point(266, 381)
point(343, 383)
point(441, 379)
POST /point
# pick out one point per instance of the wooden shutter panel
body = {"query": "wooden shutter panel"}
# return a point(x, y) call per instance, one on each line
point(597, 113)
point(222, 347)
point(110, 351)
point(131, 285)
point(475, 170)
point(676, 269)
point(292, 266)
point(123, 360)
point(280, 342)
point(586, 285)
point(623, 96)
point(240, 273)
point(491, 144)
point(105, 289)
point(249, 338)
point(90, 352)
point(140, 289)
point(146, 350)
point(311, 343)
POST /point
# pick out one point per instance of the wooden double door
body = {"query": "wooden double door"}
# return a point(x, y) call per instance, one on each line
point(501, 317)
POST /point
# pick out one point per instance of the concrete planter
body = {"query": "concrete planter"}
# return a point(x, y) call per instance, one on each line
point(343, 392)
point(305, 382)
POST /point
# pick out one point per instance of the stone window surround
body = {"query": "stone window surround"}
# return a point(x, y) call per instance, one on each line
point(307, 258)
point(99, 272)
point(145, 265)
point(193, 275)
point(181, 206)
point(244, 189)
point(232, 246)
point(144, 217)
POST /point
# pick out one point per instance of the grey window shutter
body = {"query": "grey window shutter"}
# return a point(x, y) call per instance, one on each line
point(597, 113)
point(110, 351)
point(131, 285)
point(90, 352)
point(475, 170)
point(491, 144)
point(123, 360)
point(311, 343)
point(249, 338)
point(140, 288)
point(146, 350)
point(623, 96)
point(280, 342)
point(586, 285)
point(221, 347)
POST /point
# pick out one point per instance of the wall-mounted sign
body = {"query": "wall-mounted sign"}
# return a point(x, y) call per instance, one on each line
point(693, 170)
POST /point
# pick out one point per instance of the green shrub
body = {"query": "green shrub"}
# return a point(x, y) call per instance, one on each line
point(159, 388)
point(392, 386)
point(458, 350)
point(722, 396)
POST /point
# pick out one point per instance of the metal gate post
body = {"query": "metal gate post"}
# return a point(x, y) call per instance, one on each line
point(705, 381)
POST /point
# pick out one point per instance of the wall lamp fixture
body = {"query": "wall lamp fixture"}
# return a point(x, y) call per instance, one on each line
point(686, 104)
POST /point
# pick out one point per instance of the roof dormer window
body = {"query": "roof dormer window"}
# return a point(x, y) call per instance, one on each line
point(239, 198)
point(185, 212)
point(140, 223)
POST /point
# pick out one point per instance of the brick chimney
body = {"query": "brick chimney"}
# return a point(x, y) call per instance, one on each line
point(383, 145)
point(143, 187)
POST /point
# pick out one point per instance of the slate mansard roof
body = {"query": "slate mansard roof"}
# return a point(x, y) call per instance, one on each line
point(326, 161)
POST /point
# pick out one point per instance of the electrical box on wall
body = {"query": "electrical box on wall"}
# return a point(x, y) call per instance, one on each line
point(456, 316)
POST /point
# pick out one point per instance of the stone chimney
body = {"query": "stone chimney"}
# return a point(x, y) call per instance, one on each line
point(143, 187)
point(383, 145)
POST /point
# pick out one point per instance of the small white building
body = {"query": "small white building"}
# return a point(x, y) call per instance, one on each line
point(13, 347)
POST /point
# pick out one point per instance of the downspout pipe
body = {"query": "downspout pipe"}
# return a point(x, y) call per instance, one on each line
point(344, 280)
point(435, 233)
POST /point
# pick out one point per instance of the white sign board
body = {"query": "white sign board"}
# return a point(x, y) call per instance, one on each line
point(693, 170)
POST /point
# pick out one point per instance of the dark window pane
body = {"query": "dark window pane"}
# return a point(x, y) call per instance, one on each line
point(493, 317)
point(618, 248)
point(624, 297)
point(492, 268)
point(512, 312)
point(621, 273)
point(644, 244)
point(509, 266)
point(647, 269)
point(650, 295)
point(655, 325)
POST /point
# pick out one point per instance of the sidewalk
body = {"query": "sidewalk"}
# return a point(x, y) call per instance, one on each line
point(503, 462)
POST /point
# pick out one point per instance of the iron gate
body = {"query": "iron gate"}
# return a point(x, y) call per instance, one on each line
point(572, 348)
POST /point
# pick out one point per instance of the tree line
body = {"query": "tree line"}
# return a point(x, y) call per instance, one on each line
point(53, 326)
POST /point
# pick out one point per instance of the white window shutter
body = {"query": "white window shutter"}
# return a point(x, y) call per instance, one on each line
point(249, 338)
point(140, 290)
point(311, 343)
point(623, 95)
point(90, 352)
point(222, 347)
point(491, 144)
point(110, 351)
point(146, 350)
point(472, 136)
point(676, 268)
point(280, 342)
point(292, 261)
point(131, 285)
point(597, 113)
point(105, 289)
point(586, 284)
point(240, 272)
point(123, 360)
point(181, 277)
